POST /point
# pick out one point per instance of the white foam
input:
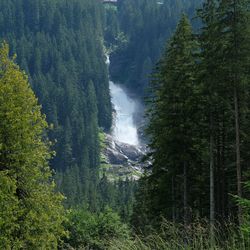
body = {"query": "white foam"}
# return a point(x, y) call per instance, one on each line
point(124, 128)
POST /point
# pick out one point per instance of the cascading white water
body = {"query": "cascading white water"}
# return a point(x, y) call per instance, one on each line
point(124, 128)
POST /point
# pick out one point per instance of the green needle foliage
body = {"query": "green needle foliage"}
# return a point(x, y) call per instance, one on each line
point(172, 128)
point(31, 213)
point(199, 123)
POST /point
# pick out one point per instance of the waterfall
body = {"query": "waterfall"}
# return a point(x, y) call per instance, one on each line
point(124, 128)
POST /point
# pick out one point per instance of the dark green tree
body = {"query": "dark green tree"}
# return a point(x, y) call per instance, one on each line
point(234, 29)
point(172, 130)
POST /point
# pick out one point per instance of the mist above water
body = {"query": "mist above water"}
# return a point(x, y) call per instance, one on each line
point(124, 128)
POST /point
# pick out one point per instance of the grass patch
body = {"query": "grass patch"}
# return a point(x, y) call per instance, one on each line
point(172, 236)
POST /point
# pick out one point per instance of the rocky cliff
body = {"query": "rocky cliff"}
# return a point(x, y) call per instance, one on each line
point(122, 160)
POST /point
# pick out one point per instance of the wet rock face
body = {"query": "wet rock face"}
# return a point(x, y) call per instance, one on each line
point(122, 153)
point(124, 158)
point(133, 153)
point(115, 157)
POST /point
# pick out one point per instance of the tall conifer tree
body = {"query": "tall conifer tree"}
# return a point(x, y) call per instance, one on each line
point(209, 78)
point(233, 25)
point(172, 129)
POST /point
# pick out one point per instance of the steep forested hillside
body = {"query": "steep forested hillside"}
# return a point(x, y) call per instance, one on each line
point(59, 45)
point(144, 27)
point(194, 192)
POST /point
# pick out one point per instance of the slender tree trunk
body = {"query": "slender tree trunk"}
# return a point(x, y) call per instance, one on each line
point(220, 174)
point(237, 145)
point(185, 194)
point(212, 203)
point(217, 169)
point(236, 106)
point(223, 194)
point(173, 200)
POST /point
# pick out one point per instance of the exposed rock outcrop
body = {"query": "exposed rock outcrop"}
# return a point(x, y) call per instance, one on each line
point(124, 159)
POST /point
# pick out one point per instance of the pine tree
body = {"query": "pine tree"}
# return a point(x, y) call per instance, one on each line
point(31, 213)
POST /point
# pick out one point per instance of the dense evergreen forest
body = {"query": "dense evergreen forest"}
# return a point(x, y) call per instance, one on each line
point(143, 29)
point(59, 46)
point(191, 61)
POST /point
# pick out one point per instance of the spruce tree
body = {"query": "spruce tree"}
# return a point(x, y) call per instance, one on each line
point(172, 128)
point(234, 29)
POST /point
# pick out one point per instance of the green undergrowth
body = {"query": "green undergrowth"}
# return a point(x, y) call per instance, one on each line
point(94, 230)
point(193, 237)
point(110, 6)
point(118, 172)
